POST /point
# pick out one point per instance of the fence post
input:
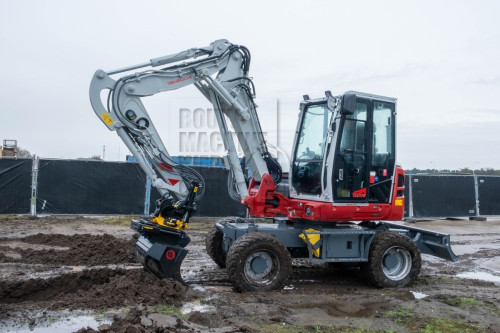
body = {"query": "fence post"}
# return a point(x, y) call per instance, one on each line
point(410, 199)
point(34, 186)
point(476, 195)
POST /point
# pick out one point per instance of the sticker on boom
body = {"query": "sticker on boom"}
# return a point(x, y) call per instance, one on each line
point(180, 79)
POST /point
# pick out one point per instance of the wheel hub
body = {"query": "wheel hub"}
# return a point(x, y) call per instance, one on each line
point(258, 265)
point(396, 263)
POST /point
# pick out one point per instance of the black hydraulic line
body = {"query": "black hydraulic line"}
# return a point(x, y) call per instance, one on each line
point(188, 175)
point(247, 58)
point(274, 169)
point(247, 79)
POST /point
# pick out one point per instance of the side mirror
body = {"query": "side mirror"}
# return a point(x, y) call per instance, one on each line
point(331, 103)
point(348, 104)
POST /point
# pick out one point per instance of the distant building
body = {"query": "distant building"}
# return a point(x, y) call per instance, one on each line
point(9, 148)
point(217, 162)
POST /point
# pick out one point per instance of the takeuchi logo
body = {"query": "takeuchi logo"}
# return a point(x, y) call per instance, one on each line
point(180, 79)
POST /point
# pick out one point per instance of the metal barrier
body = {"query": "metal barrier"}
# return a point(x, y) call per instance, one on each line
point(451, 195)
point(441, 196)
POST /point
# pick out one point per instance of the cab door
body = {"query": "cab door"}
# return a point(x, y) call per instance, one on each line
point(309, 152)
point(365, 153)
point(350, 176)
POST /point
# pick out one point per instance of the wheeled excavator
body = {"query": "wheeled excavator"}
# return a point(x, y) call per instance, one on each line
point(344, 183)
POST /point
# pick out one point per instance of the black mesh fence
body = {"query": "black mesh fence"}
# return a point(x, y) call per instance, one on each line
point(489, 195)
point(15, 185)
point(89, 187)
point(443, 196)
point(97, 187)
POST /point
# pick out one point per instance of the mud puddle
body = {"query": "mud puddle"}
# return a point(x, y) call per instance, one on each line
point(481, 276)
point(55, 322)
point(419, 295)
point(196, 306)
point(351, 309)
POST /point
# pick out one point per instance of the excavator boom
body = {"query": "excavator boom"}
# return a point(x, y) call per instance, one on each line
point(220, 72)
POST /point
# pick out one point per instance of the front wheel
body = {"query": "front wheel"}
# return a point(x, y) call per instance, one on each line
point(394, 261)
point(258, 262)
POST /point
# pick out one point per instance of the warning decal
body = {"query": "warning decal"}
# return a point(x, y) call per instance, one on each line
point(173, 181)
point(107, 119)
point(359, 193)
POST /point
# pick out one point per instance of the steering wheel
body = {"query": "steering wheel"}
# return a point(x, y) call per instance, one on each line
point(308, 153)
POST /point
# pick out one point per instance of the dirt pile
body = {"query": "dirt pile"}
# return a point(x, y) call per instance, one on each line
point(94, 289)
point(83, 249)
point(91, 288)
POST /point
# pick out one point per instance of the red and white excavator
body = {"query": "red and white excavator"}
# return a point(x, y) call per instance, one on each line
point(344, 183)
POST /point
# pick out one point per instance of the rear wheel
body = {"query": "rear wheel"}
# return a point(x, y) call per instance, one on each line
point(394, 261)
point(258, 262)
point(214, 246)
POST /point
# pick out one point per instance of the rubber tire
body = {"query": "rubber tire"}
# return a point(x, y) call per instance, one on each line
point(244, 247)
point(214, 246)
point(382, 242)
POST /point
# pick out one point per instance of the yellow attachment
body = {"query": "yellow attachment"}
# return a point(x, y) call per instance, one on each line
point(171, 224)
point(313, 239)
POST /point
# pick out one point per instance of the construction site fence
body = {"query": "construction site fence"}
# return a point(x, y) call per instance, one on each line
point(90, 187)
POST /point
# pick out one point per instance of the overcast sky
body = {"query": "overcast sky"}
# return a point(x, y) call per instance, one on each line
point(439, 58)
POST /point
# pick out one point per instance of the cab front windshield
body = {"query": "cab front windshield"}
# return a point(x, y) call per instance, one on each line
point(310, 150)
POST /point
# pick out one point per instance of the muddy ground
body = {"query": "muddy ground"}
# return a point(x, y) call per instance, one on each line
point(67, 274)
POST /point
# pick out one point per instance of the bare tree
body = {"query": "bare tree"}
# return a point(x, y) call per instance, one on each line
point(93, 157)
point(21, 152)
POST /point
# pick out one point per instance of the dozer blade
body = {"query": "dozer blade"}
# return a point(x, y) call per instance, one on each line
point(161, 251)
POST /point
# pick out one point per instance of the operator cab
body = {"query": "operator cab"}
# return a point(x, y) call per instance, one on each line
point(354, 133)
